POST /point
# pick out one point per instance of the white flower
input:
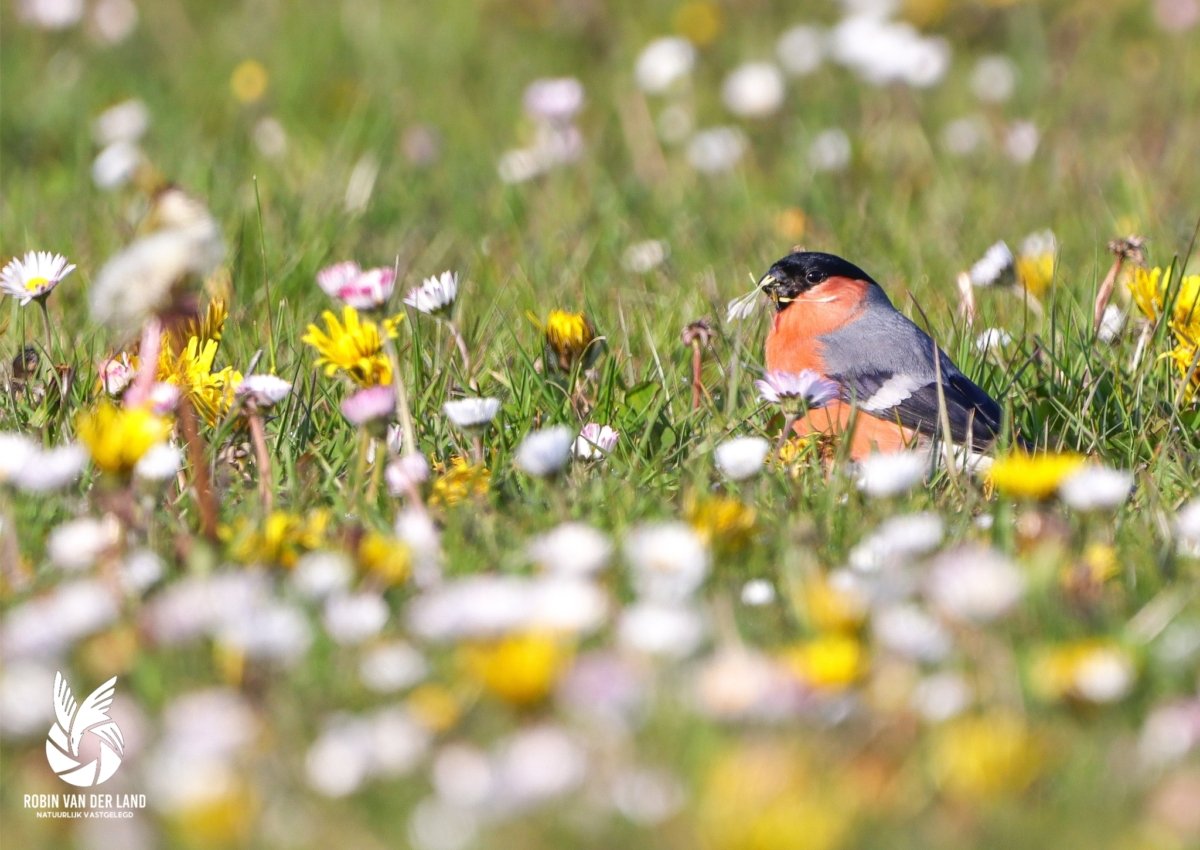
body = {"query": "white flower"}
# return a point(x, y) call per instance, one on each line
point(537, 764)
point(275, 631)
point(974, 583)
point(664, 63)
point(487, 606)
point(52, 469)
point(16, 450)
point(555, 100)
point(1096, 488)
point(804, 387)
point(595, 441)
point(159, 463)
point(263, 391)
point(201, 604)
point(669, 560)
point(753, 90)
point(471, 413)
point(757, 592)
point(991, 339)
point(421, 536)
point(656, 628)
point(79, 543)
point(270, 137)
point(1111, 323)
point(545, 452)
point(140, 570)
point(801, 50)
point(34, 276)
point(1038, 243)
point(113, 20)
point(964, 136)
point(362, 290)
point(116, 374)
point(405, 473)
point(435, 294)
point(391, 667)
point(1171, 732)
point(884, 52)
point(142, 279)
point(50, 624)
point(898, 540)
point(50, 14)
point(891, 474)
point(24, 709)
point(318, 575)
point(941, 696)
point(1105, 675)
point(741, 457)
point(570, 549)
point(1021, 141)
point(354, 617)
point(462, 775)
point(994, 78)
point(716, 150)
point(126, 121)
point(911, 633)
point(997, 266)
point(642, 257)
point(369, 405)
point(1187, 526)
point(830, 150)
point(116, 165)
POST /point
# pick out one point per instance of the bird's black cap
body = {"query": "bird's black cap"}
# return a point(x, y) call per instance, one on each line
point(801, 271)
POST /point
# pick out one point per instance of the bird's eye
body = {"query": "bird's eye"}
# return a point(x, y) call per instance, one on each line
point(813, 276)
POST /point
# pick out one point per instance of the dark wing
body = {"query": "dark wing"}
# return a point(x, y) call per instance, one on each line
point(974, 416)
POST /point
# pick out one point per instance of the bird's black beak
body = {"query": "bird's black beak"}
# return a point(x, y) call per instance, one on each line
point(771, 283)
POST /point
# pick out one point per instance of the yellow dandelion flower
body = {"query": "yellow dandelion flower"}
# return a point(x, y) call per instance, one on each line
point(833, 609)
point(985, 757)
point(520, 669)
point(1087, 576)
point(699, 21)
point(827, 662)
point(721, 521)
point(1034, 476)
point(434, 707)
point(354, 345)
point(191, 369)
point(459, 482)
point(1186, 357)
point(1149, 289)
point(1036, 273)
point(210, 326)
point(1096, 671)
point(384, 557)
point(571, 338)
point(280, 541)
point(116, 437)
point(764, 796)
point(249, 80)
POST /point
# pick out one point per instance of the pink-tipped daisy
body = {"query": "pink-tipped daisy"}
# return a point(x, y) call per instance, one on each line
point(34, 276)
point(362, 290)
point(369, 405)
point(804, 387)
point(263, 391)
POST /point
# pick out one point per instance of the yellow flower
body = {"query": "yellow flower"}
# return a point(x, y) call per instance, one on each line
point(1036, 273)
point(384, 557)
point(765, 796)
point(1184, 355)
point(1087, 576)
point(791, 223)
point(191, 369)
point(249, 81)
point(520, 669)
point(1096, 671)
point(570, 338)
point(458, 483)
point(116, 438)
point(1035, 476)
point(986, 756)
point(434, 707)
point(281, 540)
point(1149, 288)
point(1185, 315)
point(721, 521)
point(699, 21)
point(354, 346)
point(209, 326)
point(827, 662)
point(833, 609)
point(222, 814)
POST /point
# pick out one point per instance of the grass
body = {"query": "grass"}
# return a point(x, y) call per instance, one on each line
point(1111, 95)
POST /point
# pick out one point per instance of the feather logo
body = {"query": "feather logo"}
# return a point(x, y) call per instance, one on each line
point(76, 720)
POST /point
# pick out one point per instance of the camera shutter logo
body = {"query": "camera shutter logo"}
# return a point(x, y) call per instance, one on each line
point(74, 721)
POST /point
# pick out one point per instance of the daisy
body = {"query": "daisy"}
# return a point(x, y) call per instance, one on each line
point(471, 413)
point(33, 277)
point(741, 457)
point(368, 405)
point(595, 441)
point(805, 387)
point(543, 453)
point(362, 290)
point(435, 294)
point(263, 390)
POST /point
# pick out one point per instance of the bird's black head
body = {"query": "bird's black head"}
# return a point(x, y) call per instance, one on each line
point(799, 272)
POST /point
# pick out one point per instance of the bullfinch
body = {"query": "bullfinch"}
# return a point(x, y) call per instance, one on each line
point(833, 318)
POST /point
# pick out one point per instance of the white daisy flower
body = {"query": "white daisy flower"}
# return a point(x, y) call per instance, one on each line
point(997, 266)
point(974, 584)
point(595, 441)
point(52, 469)
point(805, 387)
point(471, 413)
point(669, 560)
point(543, 453)
point(116, 374)
point(34, 276)
point(753, 90)
point(664, 63)
point(435, 294)
point(716, 150)
point(554, 99)
point(571, 549)
point(263, 390)
point(891, 474)
point(1096, 488)
point(361, 289)
point(741, 457)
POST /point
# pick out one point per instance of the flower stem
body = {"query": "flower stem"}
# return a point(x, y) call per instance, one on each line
point(402, 407)
point(50, 348)
point(205, 500)
point(262, 459)
point(464, 353)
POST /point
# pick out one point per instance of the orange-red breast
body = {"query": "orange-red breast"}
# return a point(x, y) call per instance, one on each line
point(831, 317)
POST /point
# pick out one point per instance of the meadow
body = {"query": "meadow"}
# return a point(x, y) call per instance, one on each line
point(392, 442)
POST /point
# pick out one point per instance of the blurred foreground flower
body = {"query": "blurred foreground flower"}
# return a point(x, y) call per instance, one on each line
point(520, 669)
point(35, 276)
point(570, 549)
point(722, 522)
point(384, 558)
point(1096, 488)
point(984, 757)
point(1095, 671)
point(1033, 476)
point(281, 539)
point(669, 560)
point(1035, 264)
point(664, 64)
point(370, 405)
point(827, 662)
point(884, 475)
point(996, 267)
point(361, 289)
point(354, 346)
point(544, 453)
point(117, 438)
point(741, 457)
